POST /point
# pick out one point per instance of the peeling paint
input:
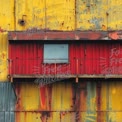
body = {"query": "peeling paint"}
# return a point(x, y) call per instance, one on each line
point(87, 101)
point(3, 56)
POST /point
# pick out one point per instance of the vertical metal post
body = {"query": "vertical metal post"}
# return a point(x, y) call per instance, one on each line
point(77, 66)
point(77, 71)
point(55, 67)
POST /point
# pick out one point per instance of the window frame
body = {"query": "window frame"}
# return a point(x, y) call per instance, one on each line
point(58, 62)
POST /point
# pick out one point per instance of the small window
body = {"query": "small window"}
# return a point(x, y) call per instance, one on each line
point(55, 53)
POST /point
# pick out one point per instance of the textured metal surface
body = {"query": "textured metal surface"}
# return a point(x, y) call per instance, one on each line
point(7, 102)
point(66, 15)
point(7, 99)
point(72, 35)
point(33, 98)
point(88, 58)
point(52, 15)
point(26, 35)
point(60, 15)
point(114, 15)
point(56, 35)
point(29, 14)
point(7, 117)
point(91, 14)
point(87, 101)
point(3, 56)
point(7, 17)
point(115, 35)
point(68, 117)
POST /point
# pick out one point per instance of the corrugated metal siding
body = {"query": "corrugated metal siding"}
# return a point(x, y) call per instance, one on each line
point(88, 58)
point(44, 98)
point(87, 95)
point(7, 102)
point(25, 57)
point(7, 117)
point(87, 101)
point(68, 117)
point(3, 56)
point(8, 99)
point(45, 117)
point(7, 17)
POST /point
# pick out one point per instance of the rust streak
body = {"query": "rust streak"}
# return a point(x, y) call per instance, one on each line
point(115, 35)
point(99, 101)
point(58, 35)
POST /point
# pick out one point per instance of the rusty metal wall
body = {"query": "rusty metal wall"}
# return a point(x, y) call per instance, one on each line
point(89, 100)
point(69, 15)
point(61, 15)
point(7, 102)
point(3, 56)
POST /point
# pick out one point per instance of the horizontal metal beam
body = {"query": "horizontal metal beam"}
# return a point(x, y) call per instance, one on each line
point(68, 76)
point(64, 35)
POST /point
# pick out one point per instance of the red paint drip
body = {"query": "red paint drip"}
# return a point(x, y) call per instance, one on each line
point(42, 96)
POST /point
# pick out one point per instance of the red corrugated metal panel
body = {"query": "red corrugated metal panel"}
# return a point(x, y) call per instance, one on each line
point(84, 58)
point(24, 57)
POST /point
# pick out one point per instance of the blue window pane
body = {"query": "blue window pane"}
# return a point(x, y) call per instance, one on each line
point(55, 53)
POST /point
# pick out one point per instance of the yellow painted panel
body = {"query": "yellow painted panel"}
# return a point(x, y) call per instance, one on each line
point(3, 56)
point(7, 14)
point(115, 93)
point(38, 117)
point(46, 116)
point(115, 14)
point(54, 117)
point(33, 97)
point(33, 117)
point(67, 102)
point(62, 96)
point(56, 96)
point(30, 14)
point(104, 96)
point(60, 14)
point(27, 117)
point(91, 14)
point(29, 97)
point(69, 116)
point(115, 116)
